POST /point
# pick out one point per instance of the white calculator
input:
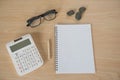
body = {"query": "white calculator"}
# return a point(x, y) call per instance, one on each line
point(24, 54)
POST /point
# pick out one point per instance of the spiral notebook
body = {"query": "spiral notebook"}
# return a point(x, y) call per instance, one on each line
point(74, 49)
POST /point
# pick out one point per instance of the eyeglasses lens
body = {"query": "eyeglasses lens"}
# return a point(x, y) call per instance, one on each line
point(36, 22)
point(50, 16)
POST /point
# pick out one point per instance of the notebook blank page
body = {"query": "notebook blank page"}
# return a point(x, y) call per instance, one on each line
point(75, 51)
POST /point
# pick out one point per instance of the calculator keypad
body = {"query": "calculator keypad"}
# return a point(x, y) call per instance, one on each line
point(28, 59)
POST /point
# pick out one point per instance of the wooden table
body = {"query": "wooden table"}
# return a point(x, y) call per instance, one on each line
point(104, 15)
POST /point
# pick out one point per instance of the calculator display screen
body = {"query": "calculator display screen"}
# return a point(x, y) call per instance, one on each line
point(20, 45)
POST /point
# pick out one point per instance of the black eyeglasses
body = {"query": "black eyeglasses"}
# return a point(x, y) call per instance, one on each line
point(36, 20)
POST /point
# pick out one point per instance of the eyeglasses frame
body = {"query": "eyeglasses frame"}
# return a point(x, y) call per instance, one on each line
point(29, 21)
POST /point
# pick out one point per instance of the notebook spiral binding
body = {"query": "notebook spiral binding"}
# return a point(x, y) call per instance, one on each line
point(56, 45)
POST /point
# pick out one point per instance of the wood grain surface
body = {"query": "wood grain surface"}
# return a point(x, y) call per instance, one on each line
point(104, 15)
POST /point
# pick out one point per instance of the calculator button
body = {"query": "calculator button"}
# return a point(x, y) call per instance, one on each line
point(29, 59)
